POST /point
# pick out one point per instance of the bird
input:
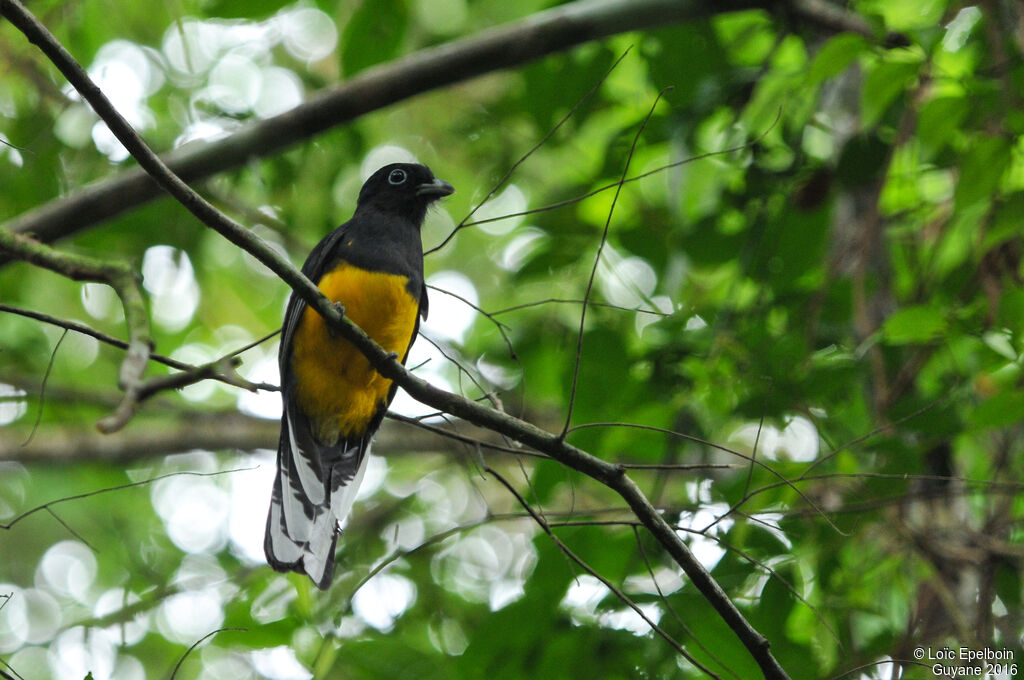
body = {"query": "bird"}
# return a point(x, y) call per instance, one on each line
point(333, 399)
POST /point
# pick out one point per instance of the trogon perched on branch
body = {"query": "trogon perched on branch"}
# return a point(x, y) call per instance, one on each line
point(333, 399)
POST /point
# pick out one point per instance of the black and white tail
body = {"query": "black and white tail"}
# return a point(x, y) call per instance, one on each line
point(313, 493)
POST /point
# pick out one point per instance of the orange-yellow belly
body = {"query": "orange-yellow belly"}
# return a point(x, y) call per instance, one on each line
point(335, 386)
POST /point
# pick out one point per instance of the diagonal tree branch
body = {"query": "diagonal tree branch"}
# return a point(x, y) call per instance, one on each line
point(518, 42)
point(387, 364)
point(513, 44)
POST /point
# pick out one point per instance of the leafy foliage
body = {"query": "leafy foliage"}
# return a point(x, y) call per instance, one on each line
point(822, 273)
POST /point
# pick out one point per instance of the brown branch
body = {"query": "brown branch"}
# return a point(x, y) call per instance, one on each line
point(230, 378)
point(386, 363)
point(225, 431)
point(513, 44)
point(125, 283)
point(506, 46)
point(831, 16)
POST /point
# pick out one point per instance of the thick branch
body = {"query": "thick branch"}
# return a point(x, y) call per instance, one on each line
point(125, 283)
point(510, 45)
point(386, 363)
point(515, 43)
point(215, 432)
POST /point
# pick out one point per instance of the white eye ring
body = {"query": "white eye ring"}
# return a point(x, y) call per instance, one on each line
point(396, 177)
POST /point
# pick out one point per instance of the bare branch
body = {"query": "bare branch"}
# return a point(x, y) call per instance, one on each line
point(49, 506)
point(198, 642)
point(230, 379)
point(506, 46)
point(522, 159)
point(564, 301)
point(597, 262)
point(225, 431)
point(502, 328)
point(668, 605)
point(42, 387)
point(634, 178)
point(542, 523)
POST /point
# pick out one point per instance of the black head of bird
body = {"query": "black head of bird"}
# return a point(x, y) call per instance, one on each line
point(404, 189)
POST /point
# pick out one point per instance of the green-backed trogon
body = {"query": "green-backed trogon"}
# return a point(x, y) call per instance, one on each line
point(333, 399)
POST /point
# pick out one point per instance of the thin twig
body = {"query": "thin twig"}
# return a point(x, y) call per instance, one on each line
point(681, 466)
point(159, 358)
point(670, 608)
point(643, 175)
point(882, 428)
point(7, 676)
point(119, 487)
point(42, 389)
point(784, 481)
point(522, 159)
point(542, 523)
point(757, 440)
point(597, 262)
point(125, 283)
point(67, 526)
point(486, 394)
point(199, 642)
point(502, 328)
point(591, 303)
point(725, 546)
point(880, 662)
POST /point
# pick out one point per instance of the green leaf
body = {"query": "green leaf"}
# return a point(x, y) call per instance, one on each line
point(939, 118)
point(834, 56)
point(244, 9)
point(1011, 310)
point(883, 85)
point(981, 169)
point(1002, 410)
point(1008, 586)
point(914, 325)
point(373, 35)
point(1006, 223)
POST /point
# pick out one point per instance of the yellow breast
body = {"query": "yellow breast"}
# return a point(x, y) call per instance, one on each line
point(336, 387)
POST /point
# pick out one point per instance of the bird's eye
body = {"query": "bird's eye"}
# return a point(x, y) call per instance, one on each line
point(396, 177)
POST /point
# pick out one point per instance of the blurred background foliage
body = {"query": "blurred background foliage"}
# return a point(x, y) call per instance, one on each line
point(841, 292)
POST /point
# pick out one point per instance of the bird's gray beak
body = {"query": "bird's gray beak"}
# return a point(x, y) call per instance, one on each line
point(435, 189)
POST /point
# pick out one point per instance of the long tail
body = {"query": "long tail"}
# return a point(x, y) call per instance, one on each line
point(309, 503)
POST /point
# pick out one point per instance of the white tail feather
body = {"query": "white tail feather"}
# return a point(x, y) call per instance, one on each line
point(311, 482)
